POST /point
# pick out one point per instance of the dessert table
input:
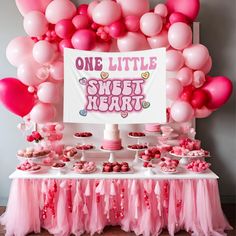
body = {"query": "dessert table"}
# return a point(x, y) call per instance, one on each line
point(71, 203)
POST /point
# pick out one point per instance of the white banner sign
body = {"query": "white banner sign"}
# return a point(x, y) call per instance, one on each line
point(119, 88)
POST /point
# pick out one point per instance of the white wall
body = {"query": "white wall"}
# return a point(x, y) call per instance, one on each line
point(217, 132)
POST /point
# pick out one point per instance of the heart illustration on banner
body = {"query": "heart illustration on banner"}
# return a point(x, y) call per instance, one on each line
point(145, 104)
point(104, 75)
point(145, 75)
point(83, 112)
point(83, 81)
point(124, 114)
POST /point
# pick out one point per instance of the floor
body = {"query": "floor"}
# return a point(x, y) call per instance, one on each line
point(229, 210)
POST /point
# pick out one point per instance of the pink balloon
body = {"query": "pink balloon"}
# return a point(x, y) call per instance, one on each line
point(81, 22)
point(132, 42)
point(178, 17)
point(181, 111)
point(57, 70)
point(42, 113)
point(151, 24)
point(15, 96)
point(48, 92)
point(42, 73)
point(190, 8)
point(84, 39)
point(134, 7)
point(27, 72)
point(18, 50)
point(185, 76)
point(26, 6)
point(117, 29)
point(132, 23)
point(65, 43)
point(180, 35)
point(161, 10)
point(60, 10)
point(198, 79)
point(35, 24)
point(173, 88)
point(174, 60)
point(82, 9)
point(91, 7)
point(196, 56)
point(202, 113)
point(219, 89)
point(102, 47)
point(106, 12)
point(160, 40)
point(43, 52)
point(207, 67)
point(65, 29)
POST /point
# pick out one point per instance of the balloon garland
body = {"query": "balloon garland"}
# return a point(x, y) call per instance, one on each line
point(105, 26)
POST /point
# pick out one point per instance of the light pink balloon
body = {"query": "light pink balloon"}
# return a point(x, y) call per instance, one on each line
point(43, 52)
point(198, 79)
point(106, 12)
point(174, 60)
point(42, 113)
point(207, 67)
point(57, 70)
point(48, 92)
point(42, 73)
point(180, 35)
point(173, 88)
point(185, 76)
point(202, 113)
point(27, 71)
point(19, 49)
point(196, 56)
point(35, 24)
point(26, 6)
point(60, 10)
point(91, 7)
point(132, 23)
point(161, 10)
point(151, 24)
point(132, 42)
point(134, 7)
point(160, 40)
point(181, 111)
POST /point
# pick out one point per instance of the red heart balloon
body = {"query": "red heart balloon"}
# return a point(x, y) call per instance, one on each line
point(189, 8)
point(219, 88)
point(15, 96)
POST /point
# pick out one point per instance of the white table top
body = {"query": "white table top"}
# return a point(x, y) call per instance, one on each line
point(138, 173)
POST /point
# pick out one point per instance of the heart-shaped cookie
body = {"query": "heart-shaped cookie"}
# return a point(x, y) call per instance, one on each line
point(145, 75)
point(83, 112)
point(104, 75)
point(83, 81)
point(145, 104)
point(124, 114)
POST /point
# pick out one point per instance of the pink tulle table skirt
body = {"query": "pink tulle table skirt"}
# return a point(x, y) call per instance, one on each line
point(143, 206)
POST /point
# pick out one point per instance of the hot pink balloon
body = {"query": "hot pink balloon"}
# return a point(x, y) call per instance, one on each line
point(132, 42)
point(117, 29)
point(42, 113)
point(207, 67)
point(84, 39)
point(48, 92)
point(60, 10)
point(35, 24)
point(161, 10)
point(65, 29)
point(181, 111)
point(174, 60)
point(82, 9)
point(160, 40)
point(19, 49)
point(57, 70)
point(102, 47)
point(132, 23)
point(219, 89)
point(202, 113)
point(180, 35)
point(81, 22)
point(190, 8)
point(151, 24)
point(185, 76)
point(43, 52)
point(26, 6)
point(91, 7)
point(15, 96)
point(196, 56)
point(178, 17)
point(173, 88)
point(106, 12)
point(134, 7)
point(65, 43)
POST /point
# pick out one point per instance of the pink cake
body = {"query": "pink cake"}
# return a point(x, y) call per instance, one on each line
point(153, 127)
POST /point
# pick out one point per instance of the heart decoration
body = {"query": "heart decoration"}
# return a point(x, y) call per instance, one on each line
point(83, 112)
point(124, 114)
point(145, 104)
point(104, 75)
point(83, 81)
point(145, 75)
